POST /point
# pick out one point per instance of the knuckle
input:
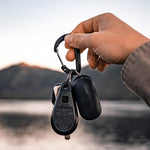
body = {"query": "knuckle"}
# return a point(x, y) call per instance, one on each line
point(108, 14)
point(78, 28)
point(76, 40)
point(105, 15)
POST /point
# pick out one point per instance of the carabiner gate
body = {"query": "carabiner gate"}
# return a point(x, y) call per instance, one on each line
point(77, 57)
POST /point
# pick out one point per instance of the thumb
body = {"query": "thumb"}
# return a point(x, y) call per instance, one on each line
point(78, 40)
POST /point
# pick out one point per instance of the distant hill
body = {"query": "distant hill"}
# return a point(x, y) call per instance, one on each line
point(31, 82)
point(28, 82)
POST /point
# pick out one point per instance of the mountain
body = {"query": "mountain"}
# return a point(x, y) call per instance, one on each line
point(28, 82)
point(23, 81)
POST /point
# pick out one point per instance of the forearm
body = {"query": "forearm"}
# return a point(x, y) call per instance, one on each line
point(136, 72)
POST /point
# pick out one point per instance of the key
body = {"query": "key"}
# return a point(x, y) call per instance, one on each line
point(55, 92)
point(64, 118)
point(84, 93)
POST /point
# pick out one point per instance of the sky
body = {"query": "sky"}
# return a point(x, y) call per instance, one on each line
point(29, 28)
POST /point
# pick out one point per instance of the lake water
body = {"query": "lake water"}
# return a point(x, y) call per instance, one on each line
point(25, 125)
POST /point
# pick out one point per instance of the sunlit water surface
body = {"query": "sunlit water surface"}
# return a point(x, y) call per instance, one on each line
point(25, 125)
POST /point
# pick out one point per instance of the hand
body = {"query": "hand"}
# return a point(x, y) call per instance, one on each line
point(108, 39)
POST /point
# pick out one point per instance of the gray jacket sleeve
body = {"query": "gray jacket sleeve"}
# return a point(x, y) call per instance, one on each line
point(136, 72)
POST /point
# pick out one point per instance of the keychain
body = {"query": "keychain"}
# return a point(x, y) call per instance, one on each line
point(64, 117)
point(81, 92)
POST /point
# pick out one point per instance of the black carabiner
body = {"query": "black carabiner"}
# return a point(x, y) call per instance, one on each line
point(77, 57)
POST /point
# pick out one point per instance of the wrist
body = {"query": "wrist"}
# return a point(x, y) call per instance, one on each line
point(138, 47)
point(137, 44)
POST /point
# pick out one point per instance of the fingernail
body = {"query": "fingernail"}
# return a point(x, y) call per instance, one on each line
point(68, 39)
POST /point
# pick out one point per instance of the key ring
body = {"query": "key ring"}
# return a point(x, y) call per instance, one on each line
point(77, 57)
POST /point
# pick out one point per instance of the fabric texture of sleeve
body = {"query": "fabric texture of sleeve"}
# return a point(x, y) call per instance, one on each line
point(136, 72)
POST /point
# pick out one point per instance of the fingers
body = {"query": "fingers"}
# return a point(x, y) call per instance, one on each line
point(81, 41)
point(102, 65)
point(78, 40)
point(92, 59)
point(70, 56)
point(87, 35)
point(95, 61)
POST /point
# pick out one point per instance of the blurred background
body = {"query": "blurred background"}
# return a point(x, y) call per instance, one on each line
point(29, 68)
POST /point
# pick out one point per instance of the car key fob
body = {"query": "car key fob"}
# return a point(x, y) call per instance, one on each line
point(64, 118)
point(84, 93)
